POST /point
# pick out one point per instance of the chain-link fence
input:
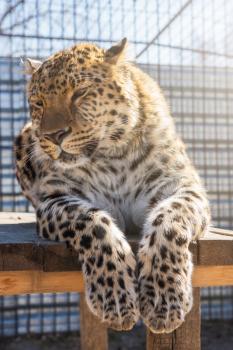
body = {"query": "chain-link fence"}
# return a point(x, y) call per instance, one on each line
point(187, 46)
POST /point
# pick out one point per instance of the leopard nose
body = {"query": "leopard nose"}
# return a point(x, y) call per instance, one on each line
point(58, 136)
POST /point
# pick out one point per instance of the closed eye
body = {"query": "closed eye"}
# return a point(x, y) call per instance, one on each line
point(36, 104)
point(39, 103)
point(79, 93)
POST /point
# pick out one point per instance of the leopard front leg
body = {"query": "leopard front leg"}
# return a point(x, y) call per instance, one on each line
point(165, 263)
point(108, 263)
point(107, 260)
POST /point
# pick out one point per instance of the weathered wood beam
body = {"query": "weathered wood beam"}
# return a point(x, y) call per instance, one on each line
point(93, 333)
point(21, 249)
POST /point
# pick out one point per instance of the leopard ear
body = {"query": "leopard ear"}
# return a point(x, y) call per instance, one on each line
point(30, 66)
point(116, 52)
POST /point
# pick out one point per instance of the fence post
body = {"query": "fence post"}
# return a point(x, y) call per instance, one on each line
point(186, 337)
point(93, 334)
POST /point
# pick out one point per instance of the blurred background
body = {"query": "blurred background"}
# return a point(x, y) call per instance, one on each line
point(187, 46)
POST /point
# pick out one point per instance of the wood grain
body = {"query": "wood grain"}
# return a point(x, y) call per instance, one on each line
point(206, 276)
point(27, 282)
point(93, 333)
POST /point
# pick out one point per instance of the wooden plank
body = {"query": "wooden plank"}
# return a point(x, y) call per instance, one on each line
point(206, 276)
point(186, 337)
point(29, 281)
point(25, 282)
point(216, 249)
point(93, 333)
point(222, 232)
point(22, 249)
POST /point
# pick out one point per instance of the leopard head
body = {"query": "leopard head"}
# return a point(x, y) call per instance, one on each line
point(82, 101)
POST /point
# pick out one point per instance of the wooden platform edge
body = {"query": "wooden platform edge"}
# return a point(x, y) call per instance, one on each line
point(27, 282)
point(22, 249)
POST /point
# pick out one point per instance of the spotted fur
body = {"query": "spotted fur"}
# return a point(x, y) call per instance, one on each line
point(99, 159)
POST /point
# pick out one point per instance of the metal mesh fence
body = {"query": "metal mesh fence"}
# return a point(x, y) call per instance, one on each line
point(186, 46)
point(39, 313)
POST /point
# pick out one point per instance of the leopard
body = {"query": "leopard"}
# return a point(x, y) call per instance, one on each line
point(100, 160)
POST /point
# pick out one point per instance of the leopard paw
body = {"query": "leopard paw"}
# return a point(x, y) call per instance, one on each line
point(161, 315)
point(111, 287)
point(165, 294)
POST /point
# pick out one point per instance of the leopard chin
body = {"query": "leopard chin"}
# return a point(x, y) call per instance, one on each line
point(68, 160)
point(67, 157)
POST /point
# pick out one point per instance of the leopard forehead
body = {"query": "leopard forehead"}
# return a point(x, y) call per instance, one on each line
point(66, 69)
